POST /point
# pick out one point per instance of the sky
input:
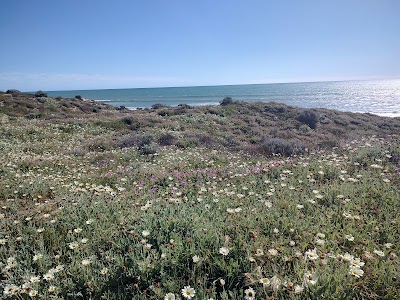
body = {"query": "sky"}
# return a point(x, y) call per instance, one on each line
point(97, 44)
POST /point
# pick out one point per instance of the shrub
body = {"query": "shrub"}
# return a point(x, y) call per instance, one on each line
point(230, 141)
point(275, 108)
point(128, 141)
point(163, 113)
point(13, 92)
point(127, 120)
point(282, 147)
point(148, 149)
point(33, 115)
point(226, 101)
point(212, 110)
point(205, 140)
point(78, 97)
point(111, 124)
point(166, 139)
point(146, 146)
point(354, 122)
point(328, 144)
point(304, 129)
point(99, 145)
point(183, 105)
point(180, 110)
point(158, 105)
point(394, 155)
point(187, 142)
point(309, 118)
point(40, 94)
point(337, 131)
point(341, 122)
point(144, 139)
point(143, 142)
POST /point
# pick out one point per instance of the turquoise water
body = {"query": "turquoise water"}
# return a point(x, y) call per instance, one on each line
point(379, 96)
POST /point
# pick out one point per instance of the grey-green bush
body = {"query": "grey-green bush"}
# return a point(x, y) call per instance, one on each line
point(226, 101)
point(282, 147)
point(40, 94)
point(309, 118)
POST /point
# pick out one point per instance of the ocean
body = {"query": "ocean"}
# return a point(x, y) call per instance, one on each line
point(381, 97)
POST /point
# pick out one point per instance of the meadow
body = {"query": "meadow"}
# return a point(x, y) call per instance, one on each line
point(238, 201)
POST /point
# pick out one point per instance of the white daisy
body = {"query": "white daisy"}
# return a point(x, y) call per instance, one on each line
point(312, 254)
point(188, 292)
point(357, 272)
point(224, 251)
point(250, 294)
point(169, 296)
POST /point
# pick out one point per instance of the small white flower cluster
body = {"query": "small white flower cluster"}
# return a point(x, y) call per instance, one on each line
point(28, 287)
point(233, 210)
point(355, 264)
point(275, 283)
point(347, 215)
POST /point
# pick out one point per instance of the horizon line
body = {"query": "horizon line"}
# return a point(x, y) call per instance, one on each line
point(217, 85)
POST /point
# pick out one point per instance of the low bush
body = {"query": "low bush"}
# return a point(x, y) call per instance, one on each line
point(145, 144)
point(13, 92)
point(123, 108)
point(205, 140)
point(144, 139)
point(111, 124)
point(99, 145)
point(183, 105)
point(275, 108)
point(40, 94)
point(304, 129)
point(148, 149)
point(214, 111)
point(163, 113)
point(127, 120)
point(227, 101)
point(158, 106)
point(328, 144)
point(309, 118)
point(166, 139)
point(341, 122)
point(128, 141)
point(33, 116)
point(280, 146)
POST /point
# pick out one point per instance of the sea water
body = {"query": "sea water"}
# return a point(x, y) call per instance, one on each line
point(380, 97)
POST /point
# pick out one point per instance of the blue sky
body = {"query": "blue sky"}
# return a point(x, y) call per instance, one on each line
point(85, 44)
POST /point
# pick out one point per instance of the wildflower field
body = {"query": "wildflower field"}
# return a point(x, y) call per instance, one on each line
point(88, 214)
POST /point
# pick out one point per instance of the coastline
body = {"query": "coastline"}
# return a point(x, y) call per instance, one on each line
point(377, 97)
point(381, 114)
